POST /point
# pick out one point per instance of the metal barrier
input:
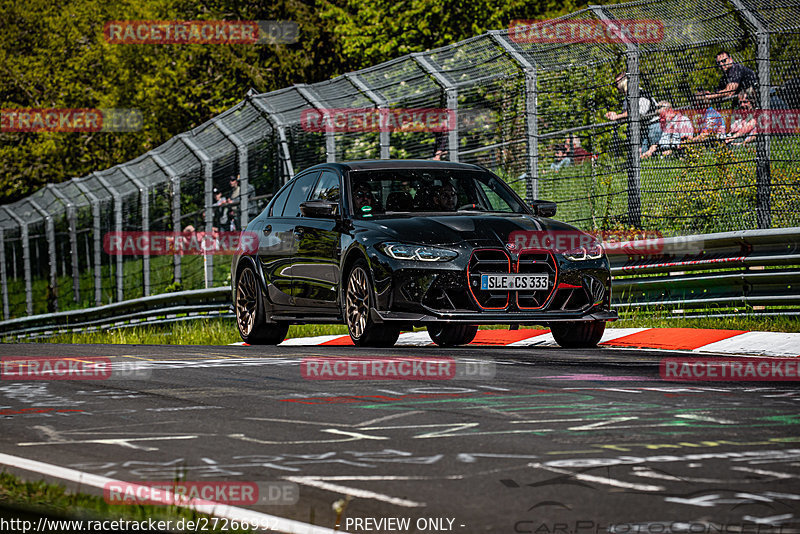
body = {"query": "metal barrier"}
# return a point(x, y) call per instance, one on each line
point(756, 269)
point(522, 106)
point(726, 273)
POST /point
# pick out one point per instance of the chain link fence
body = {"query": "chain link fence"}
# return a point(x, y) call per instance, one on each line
point(540, 113)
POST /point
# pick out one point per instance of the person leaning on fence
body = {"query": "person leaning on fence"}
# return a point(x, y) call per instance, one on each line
point(676, 127)
point(712, 127)
point(743, 128)
point(220, 210)
point(650, 130)
point(735, 78)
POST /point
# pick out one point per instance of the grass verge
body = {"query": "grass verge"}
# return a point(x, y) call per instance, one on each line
point(223, 331)
point(30, 501)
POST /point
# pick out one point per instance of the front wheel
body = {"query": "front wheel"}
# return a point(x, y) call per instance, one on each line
point(358, 303)
point(451, 335)
point(578, 335)
point(249, 308)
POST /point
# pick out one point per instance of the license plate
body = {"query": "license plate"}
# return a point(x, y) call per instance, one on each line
point(515, 282)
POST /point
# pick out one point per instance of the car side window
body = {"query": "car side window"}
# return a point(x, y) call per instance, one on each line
point(299, 194)
point(280, 201)
point(328, 187)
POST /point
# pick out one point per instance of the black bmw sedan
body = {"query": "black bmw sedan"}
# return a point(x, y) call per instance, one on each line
point(394, 244)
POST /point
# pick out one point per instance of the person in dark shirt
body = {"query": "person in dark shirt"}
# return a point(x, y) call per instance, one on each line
point(736, 78)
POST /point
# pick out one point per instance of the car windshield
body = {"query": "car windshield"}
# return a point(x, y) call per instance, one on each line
point(399, 191)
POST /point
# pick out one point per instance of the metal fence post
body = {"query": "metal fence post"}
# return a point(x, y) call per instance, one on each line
point(145, 201)
point(3, 279)
point(118, 228)
point(244, 171)
point(26, 259)
point(763, 139)
point(95, 202)
point(273, 118)
point(73, 240)
point(330, 134)
point(452, 101)
point(531, 119)
point(175, 181)
point(50, 236)
point(208, 199)
point(634, 123)
point(383, 107)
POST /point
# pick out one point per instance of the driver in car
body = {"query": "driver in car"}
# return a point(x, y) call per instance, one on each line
point(362, 198)
point(446, 197)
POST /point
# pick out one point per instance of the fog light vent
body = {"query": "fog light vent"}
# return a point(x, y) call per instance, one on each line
point(595, 289)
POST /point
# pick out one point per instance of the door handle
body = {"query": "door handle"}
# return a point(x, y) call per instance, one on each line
point(267, 229)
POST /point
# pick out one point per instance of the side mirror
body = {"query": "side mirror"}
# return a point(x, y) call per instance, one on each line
point(544, 208)
point(320, 209)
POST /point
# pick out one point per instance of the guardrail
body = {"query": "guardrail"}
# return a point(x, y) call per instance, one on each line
point(758, 270)
point(755, 269)
point(166, 307)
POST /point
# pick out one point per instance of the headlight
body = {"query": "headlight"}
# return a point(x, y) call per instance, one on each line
point(591, 252)
point(402, 251)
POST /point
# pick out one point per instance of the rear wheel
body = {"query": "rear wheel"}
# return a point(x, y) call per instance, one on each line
point(249, 308)
point(450, 335)
point(578, 335)
point(359, 300)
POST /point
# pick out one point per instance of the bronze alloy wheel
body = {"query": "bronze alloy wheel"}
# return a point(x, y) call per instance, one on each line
point(250, 316)
point(358, 299)
point(246, 301)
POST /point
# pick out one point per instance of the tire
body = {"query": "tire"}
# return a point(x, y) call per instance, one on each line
point(451, 335)
point(249, 309)
point(358, 301)
point(578, 335)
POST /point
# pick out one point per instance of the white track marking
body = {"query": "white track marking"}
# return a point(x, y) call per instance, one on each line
point(599, 480)
point(122, 442)
point(760, 343)
point(318, 482)
point(277, 524)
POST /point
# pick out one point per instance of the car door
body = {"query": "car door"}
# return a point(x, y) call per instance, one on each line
point(315, 271)
point(277, 245)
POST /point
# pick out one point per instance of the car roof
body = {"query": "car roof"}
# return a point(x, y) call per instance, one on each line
point(388, 164)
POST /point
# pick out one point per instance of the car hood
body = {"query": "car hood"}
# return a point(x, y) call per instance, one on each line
point(483, 229)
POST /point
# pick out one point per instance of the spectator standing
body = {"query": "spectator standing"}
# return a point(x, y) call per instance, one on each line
point(651, 129)
point(736, 78)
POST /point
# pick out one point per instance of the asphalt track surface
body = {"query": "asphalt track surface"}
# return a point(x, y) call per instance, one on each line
point(556, 442)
